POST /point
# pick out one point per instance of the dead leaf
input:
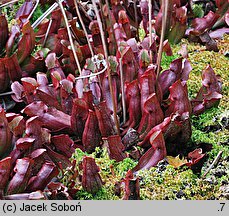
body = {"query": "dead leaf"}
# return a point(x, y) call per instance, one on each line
point(176, 161)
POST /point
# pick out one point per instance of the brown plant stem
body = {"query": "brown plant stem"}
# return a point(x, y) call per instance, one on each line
point(150, 29)
point(45, 14)
point(122, 90)
point(92, 74)
point(112, 27)
point(136, 18)
point(165, 5)
point(34, 8)
point(83, 26)
point(6, 93)
point(47, 32)
point(70, 37)
point(8, 3)
point(108, 66)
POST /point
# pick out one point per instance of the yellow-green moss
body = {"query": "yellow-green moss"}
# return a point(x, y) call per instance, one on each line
point(10, 13)
point(166, 60)
point(110, 171)
point(169, 183)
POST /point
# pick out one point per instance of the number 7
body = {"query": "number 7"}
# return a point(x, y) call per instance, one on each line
point(223, 204)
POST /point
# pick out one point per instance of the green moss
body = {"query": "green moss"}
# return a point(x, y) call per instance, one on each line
point(209, 117)
point(10, 12)
point(141, 34)
point(110, 171)
point(38, 12)
point(166, 60)
point(102, 194)
point(198, 10)
point(216, 139)
point(175, 184)
point(122, 167)
point(169, 184)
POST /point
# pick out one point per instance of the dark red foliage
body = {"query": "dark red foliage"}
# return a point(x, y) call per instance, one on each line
point(129, 63)
point(196, 160)
point(5, 169)
point(57, 191)
point(145, 14)
point(178, 133)
point(39, 156)
point(4, 32)
point(37, 195)
point(4, 77)
point(9, 70)
point(147, 86)
point(20, 179)
point(91, 135)
point(97, 41)
point(106, 91)
point(27, 43)
point(47, 94)
point(210, 43)
point(79, 116)
point(156, 153)
point(152, 115)
point(50, 117)
point(116, 148)
point(91, 179)
point(5, 134)
point(178, 99)
point(31, 65)
point(105, 120)
point(195, 156)
point(178, 70)
point(15, 32)
point(167, 48)
point(176, 130)
point(34, 130)
point(202, 25)
point(24, 92)
point(133, 98)
point(43, 177)
point(24, 10)
point(209, 94)
point(55, 25)
point(162, 126)
point(64, 144)
point(24, 143)
point(132, 187)
point(59, 159)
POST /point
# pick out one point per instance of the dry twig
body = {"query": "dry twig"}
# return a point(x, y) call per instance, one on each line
point(164, 18)
point(214, 163)
point(108, 66)
point(70, 37)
